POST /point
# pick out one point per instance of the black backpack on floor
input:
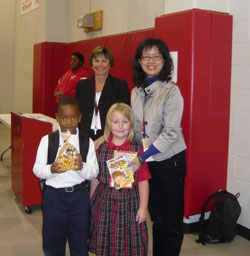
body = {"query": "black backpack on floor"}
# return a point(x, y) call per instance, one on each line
point(222, 223)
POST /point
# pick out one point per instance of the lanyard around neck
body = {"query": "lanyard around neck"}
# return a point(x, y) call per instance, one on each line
point(143, 117)
point(96, 105)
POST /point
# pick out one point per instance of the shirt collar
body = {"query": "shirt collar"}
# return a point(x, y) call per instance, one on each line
point(124, 146)
point(60, 132)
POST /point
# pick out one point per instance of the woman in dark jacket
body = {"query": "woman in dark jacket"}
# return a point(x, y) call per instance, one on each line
point(98, 93)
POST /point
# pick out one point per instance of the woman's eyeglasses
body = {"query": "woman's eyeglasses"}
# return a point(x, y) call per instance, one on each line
point(154, 57)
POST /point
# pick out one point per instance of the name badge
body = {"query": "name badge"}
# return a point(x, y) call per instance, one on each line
point(145, 144)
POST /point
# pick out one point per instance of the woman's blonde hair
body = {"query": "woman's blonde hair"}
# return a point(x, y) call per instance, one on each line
point(102, 50)
point(124, 109)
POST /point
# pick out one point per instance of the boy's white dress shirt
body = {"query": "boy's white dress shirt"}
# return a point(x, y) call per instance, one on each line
point(69, 178)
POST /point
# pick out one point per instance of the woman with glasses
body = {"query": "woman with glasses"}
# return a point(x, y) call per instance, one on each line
point(158, 106)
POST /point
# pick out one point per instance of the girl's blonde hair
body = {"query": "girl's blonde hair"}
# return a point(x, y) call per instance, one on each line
point(124, 109)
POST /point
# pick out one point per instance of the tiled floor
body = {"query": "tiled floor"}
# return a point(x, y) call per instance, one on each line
point(20, 233)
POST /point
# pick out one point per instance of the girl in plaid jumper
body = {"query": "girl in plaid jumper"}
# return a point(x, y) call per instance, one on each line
point(118, 224)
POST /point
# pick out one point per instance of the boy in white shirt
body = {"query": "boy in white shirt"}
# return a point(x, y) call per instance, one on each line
point(65, 197)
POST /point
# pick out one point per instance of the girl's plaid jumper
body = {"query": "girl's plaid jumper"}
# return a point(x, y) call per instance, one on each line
point(114, 230)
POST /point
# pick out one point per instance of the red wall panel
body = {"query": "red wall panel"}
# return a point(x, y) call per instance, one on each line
point(48, 66)
point(202, 67)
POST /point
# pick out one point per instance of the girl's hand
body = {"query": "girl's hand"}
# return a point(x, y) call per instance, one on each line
point(93, 185)
point(141, 215)
point(136, 162)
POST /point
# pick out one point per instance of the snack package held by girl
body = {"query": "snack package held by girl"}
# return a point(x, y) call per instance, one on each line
point(67, 156)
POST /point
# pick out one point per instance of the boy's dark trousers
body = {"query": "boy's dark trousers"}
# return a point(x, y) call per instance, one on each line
point(65, 217)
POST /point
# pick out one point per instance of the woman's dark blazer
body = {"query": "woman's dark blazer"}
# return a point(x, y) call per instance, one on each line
point(114, 90)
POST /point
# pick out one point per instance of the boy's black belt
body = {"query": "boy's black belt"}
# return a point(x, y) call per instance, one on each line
point(73, 188)
point(70, 189)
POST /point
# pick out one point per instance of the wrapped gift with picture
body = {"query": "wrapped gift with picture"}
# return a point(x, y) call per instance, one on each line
point(67, 156)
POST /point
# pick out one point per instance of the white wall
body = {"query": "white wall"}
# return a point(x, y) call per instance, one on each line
point(180, 5)
point(46, 23)
point(29, 28)
point(118, 16)
point(56, 20)
point(7, 25)
point(239, 146)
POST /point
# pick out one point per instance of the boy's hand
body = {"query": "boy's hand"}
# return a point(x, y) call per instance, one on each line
point(56, 168)
point(99, 141)
point(78, 162)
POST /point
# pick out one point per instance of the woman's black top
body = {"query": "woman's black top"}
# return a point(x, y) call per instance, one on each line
point(115, 90)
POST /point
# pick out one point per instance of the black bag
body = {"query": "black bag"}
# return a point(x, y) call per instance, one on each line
point(222, 223)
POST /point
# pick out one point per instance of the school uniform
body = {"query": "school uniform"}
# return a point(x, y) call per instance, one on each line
point(114, 230)
point(65, 200)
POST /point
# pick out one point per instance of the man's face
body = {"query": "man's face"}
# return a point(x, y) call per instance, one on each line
point(75, 63)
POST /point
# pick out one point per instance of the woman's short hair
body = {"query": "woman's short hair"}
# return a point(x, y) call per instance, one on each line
point(105, 51)
point(166, 72)
point(128, 113)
